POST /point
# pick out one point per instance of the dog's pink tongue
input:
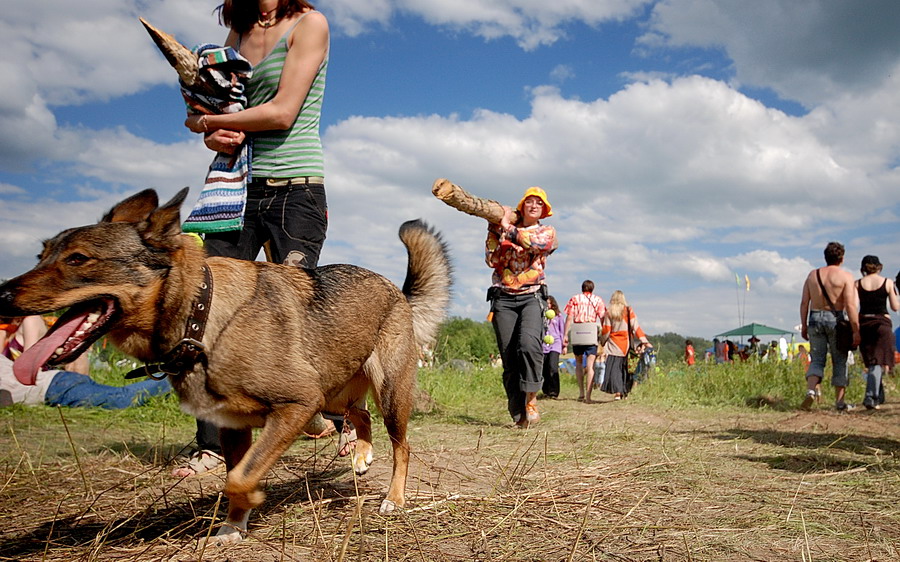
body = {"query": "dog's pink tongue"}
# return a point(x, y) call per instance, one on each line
point(27, 366)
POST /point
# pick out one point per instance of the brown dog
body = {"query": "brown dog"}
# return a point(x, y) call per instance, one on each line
point(279, 344)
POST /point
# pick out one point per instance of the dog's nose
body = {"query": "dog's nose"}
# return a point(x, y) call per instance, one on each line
point(6, 296)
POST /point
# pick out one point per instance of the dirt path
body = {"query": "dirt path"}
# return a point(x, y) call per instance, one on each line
point(608, 481)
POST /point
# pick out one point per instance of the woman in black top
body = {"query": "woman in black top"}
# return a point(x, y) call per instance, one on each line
point(876, 336)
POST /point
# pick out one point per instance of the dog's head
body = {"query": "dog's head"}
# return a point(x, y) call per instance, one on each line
point(101, 272)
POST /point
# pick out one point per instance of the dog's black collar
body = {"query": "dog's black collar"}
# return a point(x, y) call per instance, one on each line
point(190, 350)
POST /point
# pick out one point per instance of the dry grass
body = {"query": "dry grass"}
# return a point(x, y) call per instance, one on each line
point(610, 481)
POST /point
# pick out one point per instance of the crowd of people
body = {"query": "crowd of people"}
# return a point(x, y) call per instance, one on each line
point(284, 212)
point(838, 314)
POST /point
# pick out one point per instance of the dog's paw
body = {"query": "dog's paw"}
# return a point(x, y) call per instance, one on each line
point(387, 506)
point(362, 461)
point(228, 534)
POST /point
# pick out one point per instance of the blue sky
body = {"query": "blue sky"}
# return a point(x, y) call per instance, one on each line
point(680, 141)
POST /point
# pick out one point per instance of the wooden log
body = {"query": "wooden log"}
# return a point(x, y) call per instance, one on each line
point(182, 59)
point(462, 200)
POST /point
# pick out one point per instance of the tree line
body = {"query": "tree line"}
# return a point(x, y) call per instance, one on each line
point(468, 340)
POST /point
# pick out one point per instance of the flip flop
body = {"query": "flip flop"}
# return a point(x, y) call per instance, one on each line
point(198, 463)
point(347, 441)
point(318, 428)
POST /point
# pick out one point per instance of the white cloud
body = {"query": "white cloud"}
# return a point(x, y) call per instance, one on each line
point(531, 23)
point(562, 72)
point(637, 181)
point(62, 53)
point(805, 50)
point(354, 18)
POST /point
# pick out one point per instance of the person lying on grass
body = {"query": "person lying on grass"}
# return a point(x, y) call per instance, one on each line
point(67, 388)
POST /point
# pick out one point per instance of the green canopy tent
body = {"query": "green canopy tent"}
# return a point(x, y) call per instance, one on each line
point(754, 330)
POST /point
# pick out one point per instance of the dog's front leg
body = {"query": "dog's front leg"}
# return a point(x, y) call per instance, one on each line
point(249, 462)
point(235, 444)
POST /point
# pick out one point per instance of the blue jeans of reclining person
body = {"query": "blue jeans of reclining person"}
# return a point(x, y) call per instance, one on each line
point(822, 340)
point(74, 389)
point(518, 325)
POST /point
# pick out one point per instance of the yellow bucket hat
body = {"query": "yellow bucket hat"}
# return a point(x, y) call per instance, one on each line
point(539, 193)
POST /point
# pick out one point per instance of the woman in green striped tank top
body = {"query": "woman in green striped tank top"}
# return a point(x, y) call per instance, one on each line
point(287, 42)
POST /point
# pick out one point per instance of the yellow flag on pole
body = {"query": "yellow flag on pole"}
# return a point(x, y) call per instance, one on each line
point(747, 279)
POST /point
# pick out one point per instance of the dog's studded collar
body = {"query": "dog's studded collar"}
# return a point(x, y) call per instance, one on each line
point(190, 350)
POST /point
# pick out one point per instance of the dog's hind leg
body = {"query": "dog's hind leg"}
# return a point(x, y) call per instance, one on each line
point(395, 403)
point(363, 453)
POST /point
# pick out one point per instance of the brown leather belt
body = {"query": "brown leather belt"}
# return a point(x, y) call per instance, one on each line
point(284, 182)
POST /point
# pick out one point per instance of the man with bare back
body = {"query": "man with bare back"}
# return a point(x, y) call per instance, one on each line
point(818, 323)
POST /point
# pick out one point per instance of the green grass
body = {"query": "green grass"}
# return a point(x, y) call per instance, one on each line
point(478, 394)
point(779, 385)
point(668, 474)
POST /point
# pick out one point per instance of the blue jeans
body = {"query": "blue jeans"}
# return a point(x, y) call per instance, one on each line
point(874, 389)
point(822, 340)
point(74, 389)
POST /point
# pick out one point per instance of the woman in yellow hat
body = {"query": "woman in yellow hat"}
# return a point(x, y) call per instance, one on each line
point(517, 250)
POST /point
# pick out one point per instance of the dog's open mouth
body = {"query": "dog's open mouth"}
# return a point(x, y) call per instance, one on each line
point(70, 336)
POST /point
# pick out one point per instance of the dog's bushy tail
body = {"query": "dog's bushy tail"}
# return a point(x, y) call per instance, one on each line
point(428, 278)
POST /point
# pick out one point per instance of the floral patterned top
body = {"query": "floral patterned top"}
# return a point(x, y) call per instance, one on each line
point(518, 256)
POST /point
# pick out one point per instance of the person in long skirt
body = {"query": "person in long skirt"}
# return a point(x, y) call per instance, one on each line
point(621, 330)
point(876, 343)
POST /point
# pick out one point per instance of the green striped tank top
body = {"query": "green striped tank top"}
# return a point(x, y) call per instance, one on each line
point(296, 151)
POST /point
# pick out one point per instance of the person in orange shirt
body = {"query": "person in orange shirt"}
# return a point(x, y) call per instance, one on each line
point(621, 332)
point(517, 251)
point(689, 353)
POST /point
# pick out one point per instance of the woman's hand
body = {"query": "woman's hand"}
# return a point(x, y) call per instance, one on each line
point(509, 216)
point(196, 123)
point(223, 140)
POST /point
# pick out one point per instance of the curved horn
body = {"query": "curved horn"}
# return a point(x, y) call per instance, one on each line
point(180, 57)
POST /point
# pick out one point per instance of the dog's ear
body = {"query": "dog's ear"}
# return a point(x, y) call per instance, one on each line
point(134, 209)
point(164, 223)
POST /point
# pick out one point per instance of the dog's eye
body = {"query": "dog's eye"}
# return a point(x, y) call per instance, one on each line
point(76, 259)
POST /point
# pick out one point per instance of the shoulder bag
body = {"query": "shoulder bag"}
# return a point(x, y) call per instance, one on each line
point(629, 373)
point(583, 333)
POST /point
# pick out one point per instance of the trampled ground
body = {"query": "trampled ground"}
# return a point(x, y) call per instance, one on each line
point(607, 481)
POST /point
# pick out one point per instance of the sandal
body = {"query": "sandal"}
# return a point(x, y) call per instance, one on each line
point(319, 427)
point(531, 413)
point(198, 463)
point(347, 441)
